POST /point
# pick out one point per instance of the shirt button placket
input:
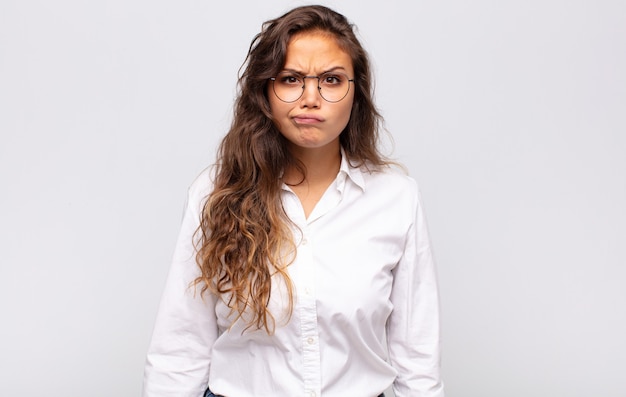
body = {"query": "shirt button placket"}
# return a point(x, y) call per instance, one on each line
point(308, 318)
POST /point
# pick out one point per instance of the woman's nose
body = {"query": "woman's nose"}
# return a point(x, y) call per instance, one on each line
point(311, 96)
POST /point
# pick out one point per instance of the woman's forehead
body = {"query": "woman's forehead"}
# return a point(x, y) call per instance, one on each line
point(316, 52)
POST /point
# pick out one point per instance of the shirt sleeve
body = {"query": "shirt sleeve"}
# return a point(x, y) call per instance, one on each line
point(413, 328)
point(179, 355)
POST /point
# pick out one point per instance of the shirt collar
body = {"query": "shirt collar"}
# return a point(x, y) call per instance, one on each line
point(346, 170)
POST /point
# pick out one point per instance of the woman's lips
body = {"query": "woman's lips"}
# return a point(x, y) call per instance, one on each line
point(307, 119)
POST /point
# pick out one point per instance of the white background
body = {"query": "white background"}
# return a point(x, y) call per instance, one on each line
point(511, 116)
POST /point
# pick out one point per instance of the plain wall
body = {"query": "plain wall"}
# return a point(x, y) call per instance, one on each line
point(511, 116)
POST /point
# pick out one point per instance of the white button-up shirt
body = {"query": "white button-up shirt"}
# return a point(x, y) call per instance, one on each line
point(366, 307)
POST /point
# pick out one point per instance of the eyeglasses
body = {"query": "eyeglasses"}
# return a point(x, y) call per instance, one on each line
point(332, 86)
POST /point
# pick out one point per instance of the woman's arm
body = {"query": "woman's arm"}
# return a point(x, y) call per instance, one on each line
point(413, 327)
point(179, 355)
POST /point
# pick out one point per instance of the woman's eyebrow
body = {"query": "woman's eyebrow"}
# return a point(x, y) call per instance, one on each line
point(301, 73)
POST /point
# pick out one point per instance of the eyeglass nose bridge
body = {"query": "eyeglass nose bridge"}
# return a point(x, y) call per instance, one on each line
point(319, 88)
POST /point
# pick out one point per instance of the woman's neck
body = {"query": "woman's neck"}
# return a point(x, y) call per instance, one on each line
point(321, 168)
point(321, 165)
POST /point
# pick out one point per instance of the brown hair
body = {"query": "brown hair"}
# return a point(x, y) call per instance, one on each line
point(245, 235)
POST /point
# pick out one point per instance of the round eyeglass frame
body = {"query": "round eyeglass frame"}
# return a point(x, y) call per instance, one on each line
point(319, 89)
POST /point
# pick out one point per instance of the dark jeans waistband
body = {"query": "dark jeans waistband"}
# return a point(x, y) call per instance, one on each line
point(208, 393)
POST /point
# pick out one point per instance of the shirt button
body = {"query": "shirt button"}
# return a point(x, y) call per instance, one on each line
point(312, 393)
point(310, 341)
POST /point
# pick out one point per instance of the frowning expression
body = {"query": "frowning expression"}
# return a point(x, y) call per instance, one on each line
point(311, 122)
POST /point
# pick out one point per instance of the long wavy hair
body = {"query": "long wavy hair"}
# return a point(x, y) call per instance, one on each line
point(245, 235)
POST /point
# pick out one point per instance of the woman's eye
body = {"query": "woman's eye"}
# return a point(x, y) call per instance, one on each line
point(290, 80)
point(331, 80)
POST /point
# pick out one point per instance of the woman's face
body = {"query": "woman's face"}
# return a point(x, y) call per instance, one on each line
point(311, 122)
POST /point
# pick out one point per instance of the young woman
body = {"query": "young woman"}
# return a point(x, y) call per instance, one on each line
point(303, 266)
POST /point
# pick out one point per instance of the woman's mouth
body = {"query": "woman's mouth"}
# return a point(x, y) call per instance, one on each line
point(307, 119)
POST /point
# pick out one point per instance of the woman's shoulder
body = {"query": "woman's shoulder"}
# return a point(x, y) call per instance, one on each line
point(392, 188)
point(388, 177)
point(201, 185)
